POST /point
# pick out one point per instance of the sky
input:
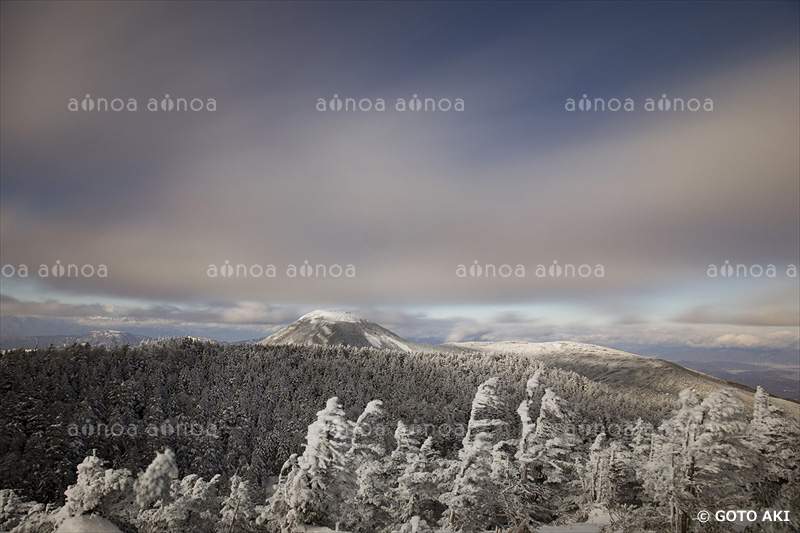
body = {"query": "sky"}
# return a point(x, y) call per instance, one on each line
point(405, 204)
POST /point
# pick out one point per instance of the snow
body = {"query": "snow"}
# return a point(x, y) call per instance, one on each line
point(372, 339)
point(533, 383)
point(332, 316)
point(399, 344)
point(384, 341)
point(373, 407)
point(571, 528)
point(87, 524)
point(599, 516)
point(534, 348)
point(597, 519)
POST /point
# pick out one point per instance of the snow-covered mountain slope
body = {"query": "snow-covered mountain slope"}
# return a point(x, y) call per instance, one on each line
point(621, 370)
point(635, 374)
point(338, 328)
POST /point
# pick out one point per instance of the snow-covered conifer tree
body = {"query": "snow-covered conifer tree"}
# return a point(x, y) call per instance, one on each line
point(317, 489)
point(372, 500)
point(701, 458)
point(238, 511)
point(419, 485)
point(550, 446)
point(595, 471)
point(193, 506)
point(106, 492)
point(774, 437)
point(153, 484)
point(526, 411)
point(473, 503)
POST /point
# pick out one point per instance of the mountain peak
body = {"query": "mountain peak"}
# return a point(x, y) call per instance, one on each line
point(332, 328)
point(321, 315)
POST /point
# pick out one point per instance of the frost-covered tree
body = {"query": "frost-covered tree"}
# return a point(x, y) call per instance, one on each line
point(774, 437)
point(317, 490)
point(595, 472)
point(419, 485)
point(672, 450)
point(473, 503)
point(407, 443)
point(607, 476)
point(372, 501)
point(153, 484)
point(700, 459)
point(549, 453)
point(98, 490)
point(641, 441)
point(238, 509)
point(22, 516)
point(623, 487)
point(368, 434)
point(193, 505)
point(278, 505)
point(526, 412)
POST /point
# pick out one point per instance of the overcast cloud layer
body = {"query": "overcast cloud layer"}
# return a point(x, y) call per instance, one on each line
point(648, 199)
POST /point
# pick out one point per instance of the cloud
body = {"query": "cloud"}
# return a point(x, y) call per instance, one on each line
point(768, 315)
point(267, 180)
point(232, 313)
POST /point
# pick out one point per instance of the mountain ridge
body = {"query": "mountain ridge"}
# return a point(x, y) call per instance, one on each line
point(628, 371)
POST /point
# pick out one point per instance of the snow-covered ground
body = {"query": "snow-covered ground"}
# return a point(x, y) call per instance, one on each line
point(87, 524)
point(584, 527)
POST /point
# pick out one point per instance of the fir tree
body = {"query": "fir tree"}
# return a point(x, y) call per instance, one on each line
point(473, 504)
point(318, 488)
point(153, 484)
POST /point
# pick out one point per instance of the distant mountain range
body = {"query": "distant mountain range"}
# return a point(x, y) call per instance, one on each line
point(639, 374)
point(331, 328)
point(108, 338)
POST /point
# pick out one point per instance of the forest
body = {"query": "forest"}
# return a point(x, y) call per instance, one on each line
point(184, 435)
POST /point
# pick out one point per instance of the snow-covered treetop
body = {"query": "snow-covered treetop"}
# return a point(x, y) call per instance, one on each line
point(487, 397)
point(533, 383)
point(550, 405)
point(375, 407)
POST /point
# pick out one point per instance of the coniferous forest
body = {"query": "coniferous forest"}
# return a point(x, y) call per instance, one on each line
point(184, 435)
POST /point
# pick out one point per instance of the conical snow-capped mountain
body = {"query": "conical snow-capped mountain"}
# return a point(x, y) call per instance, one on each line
point(333, 328)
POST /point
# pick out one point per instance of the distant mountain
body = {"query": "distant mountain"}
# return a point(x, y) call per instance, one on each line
point(625, 371)
point(636, 374)
point(29, 326)
point(108, 338)
point(331, 328)
point(778, 380)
